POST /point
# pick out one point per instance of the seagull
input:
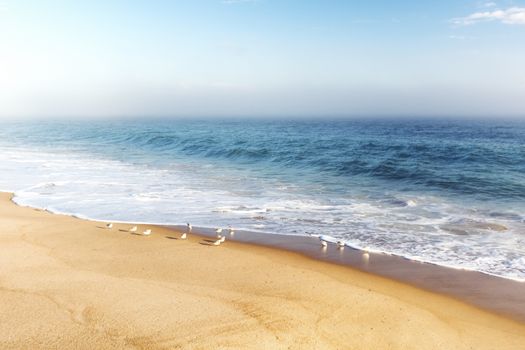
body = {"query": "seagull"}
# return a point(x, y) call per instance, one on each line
point(323, 243)
point(110, 225)
point(133, 229)
point(217, 242)
point(147, 232)
point(184, 236)
point(222, 239)
point(189, 227)
point(232, 231)
point(341, 245)
point(218, 231)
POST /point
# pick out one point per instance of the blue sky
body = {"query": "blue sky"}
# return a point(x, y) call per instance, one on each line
point(262, 58)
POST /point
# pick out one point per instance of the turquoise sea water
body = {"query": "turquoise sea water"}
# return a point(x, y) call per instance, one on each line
point(445, 192)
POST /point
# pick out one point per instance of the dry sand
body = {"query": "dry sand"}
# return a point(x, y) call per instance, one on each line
point(67, 283)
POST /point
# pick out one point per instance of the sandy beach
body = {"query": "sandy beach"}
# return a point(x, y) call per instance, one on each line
point(68, 283)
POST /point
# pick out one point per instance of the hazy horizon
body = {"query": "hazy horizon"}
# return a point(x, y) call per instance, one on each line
point(262, 58)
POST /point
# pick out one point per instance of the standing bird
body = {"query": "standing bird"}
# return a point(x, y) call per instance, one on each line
point(222, 239)
point(341, 245)
point(109, 226)
point(184, 236)
point(133, 229)
point(217, 242)
point(218, 232)
point(188, 225)
point(147, 232)
point(232, 231)
point(323, 243)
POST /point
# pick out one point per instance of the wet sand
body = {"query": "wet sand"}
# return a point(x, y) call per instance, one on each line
point(496, 294)
point(71, 283)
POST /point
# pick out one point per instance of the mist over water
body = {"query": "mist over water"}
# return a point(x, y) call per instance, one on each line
point(446, 192)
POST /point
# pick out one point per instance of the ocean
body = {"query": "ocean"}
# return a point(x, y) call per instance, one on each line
point(445, 192)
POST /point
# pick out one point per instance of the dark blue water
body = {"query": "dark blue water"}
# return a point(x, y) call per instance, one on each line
point(449, 192)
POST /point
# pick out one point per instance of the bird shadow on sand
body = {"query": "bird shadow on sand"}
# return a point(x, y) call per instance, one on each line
point(122, 230)
point(170, 237)
point(102, 227)
point(207, 242)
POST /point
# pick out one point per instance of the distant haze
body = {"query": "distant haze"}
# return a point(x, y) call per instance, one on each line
point(104, 58)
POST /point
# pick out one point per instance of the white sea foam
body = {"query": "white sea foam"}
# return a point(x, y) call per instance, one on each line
point(423, 228)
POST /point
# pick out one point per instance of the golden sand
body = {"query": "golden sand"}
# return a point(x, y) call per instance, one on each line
point(67, 283)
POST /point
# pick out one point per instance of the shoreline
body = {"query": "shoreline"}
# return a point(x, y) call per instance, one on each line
point(261, 241)
point(67, 282)
point(500, 295)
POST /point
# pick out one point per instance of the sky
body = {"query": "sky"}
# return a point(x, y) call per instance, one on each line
point(105, 58)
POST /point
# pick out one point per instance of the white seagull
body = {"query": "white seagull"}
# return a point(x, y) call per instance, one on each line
point(217, 242)
point(133, 229)
point(232, 231)
point(222, 239)
point(341, 245)
point(189, 227)
point(184, 236)
point(147, 232)
point(218, 231)
point(110, 225)
point(323, 242)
